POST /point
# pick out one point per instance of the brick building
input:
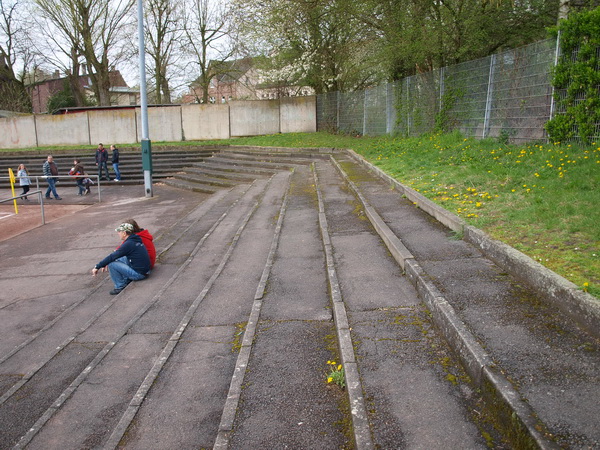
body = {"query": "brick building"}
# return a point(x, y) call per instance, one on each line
point(120, 93)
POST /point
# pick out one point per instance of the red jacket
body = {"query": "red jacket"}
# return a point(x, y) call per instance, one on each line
point(147, 240)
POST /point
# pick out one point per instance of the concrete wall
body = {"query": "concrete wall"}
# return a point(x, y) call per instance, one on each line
point(113, 127)
point(297, 114)
point(18, 132)
point(205, 122)
point(254, 117)
point(165, 123)
point(67, 129)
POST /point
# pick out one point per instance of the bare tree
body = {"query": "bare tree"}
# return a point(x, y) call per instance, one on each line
point(87, 32)
point(164, 35)
point(209, 34)
point(13, 52)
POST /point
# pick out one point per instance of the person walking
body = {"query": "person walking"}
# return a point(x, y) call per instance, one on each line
point(101, 162)
point(115, 162)
point(24, 181)
point(50, 173)
point(130, 262)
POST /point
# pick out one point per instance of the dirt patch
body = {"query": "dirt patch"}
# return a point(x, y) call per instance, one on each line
point(30, 216)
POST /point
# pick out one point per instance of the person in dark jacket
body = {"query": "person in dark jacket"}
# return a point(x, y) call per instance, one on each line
point(115, 162)
point(78, 172)
point(147, 239)
point(130, 262)
point(101, 160)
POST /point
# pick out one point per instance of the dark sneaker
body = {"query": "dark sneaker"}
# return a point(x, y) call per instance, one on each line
point(58, 198)
point(115, 291)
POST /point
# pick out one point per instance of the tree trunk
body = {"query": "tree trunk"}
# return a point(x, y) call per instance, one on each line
point(563, 9)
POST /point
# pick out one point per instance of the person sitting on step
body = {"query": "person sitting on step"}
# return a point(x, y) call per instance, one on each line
point(130, 262)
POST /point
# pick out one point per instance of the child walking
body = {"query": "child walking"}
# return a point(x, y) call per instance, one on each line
point(24, 180)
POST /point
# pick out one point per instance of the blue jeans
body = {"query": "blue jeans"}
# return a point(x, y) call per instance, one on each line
point(117, 172)
point(80, 185)
point(121, 273)
point(103, 165)
point(51, 187)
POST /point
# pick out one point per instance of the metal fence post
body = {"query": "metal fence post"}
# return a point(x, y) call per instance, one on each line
point(441, 87)
point(408, 108)
point(488, 101)
point(388, 109)
point(364, 130)
point(337, 110)
point(556, 55)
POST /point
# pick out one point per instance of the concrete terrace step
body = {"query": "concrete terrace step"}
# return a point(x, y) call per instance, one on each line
point(312, 153)
point(164, 164)
point(223, 166)
point(202, 179)
point(191, 185)
point(224, 158)
point(264, 157)
point(228, 175)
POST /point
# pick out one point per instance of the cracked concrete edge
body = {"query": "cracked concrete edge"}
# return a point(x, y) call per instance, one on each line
point(580, 306)
point(519, 420)
point(233, 398)
point(360, 421)
point(524, 426)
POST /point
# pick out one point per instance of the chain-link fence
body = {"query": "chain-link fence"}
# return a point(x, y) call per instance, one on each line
point(507, 96)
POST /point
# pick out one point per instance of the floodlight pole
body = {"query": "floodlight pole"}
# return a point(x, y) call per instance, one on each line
point(146, 144)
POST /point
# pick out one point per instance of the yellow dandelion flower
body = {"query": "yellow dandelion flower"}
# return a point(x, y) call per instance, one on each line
point(339, 367)
point(330, 379)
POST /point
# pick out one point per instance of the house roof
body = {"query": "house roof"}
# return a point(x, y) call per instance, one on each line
point(116, 80)
point(76, 109)
point(229, 71)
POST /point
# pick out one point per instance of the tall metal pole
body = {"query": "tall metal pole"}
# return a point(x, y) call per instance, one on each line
point(146, 144)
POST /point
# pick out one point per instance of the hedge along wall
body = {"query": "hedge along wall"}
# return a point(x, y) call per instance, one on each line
point(166, 123)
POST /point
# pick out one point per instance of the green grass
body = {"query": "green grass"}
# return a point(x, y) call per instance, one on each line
point(542, 199)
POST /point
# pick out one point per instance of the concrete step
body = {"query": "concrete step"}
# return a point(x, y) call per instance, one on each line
point(312, 153)
point(191, 186)
point(264, 157)
point(223, 158)
point(223, 166)
point(228, 175)
point(164, 164)
point(196, 178)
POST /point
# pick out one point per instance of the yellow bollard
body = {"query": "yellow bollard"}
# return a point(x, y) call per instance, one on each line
point(12, 187)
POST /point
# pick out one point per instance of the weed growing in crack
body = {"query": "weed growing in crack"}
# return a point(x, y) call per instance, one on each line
point(336, 374)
